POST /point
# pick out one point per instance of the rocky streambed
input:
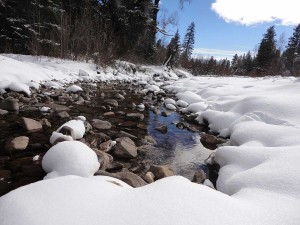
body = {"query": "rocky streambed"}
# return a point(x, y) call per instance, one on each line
point(136, 138)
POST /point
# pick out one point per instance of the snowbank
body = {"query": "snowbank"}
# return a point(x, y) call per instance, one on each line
point(261, 116)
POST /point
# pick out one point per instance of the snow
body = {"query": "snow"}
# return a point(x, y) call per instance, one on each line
point(170, 106)
point(76, 128)
point(259, 176)
point(261, 116)
point(169, 101)
point(74, 88)
point(182, 103)
point(70, 158)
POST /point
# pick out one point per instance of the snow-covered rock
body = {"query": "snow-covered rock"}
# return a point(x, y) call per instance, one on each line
point(70, 158)
point(170, 106)
point(169, 101)
point(74, 88)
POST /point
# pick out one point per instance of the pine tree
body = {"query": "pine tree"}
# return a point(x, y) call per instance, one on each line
point(292, 53)
point(267, 54)
point(188, 44)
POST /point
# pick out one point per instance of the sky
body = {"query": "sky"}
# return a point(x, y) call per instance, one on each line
point(227, 27)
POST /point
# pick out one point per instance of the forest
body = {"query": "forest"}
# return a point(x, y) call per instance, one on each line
point(106, 30)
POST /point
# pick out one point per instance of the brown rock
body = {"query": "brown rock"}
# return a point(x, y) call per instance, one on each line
point(199, 177)
point(162, 129)
point(149, 177)
point(103, 159)
point(210, 141)
point(109, 114)
point(16, 144)
point(31, 125)
point(111, 102)
point(161, 171)
point(45, 123)
point(106, 146)
point(63, 114)
point(135, 116)
point(10, 104)
point(101, 124)
point(131, 179)
point(125, 148)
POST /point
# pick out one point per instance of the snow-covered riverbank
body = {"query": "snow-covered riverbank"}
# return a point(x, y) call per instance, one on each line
point(260, 168)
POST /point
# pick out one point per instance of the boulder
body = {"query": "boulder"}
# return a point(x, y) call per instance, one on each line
point(16, 144)
point(101, 124)
point(125, 148)
point(31, 125)
point(161, 171)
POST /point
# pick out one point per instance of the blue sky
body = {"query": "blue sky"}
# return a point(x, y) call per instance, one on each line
point(232, 26)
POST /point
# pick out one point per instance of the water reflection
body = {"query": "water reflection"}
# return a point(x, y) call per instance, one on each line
point(181, 149)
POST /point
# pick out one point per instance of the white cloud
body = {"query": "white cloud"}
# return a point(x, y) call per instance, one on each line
point(216, 53)
point(249, 12)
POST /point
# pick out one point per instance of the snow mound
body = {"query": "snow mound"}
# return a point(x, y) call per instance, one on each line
point(71, 130)
point(70, 158)
point(169, 101)
point(170, 106)
point(182, 103)
point(74, 88)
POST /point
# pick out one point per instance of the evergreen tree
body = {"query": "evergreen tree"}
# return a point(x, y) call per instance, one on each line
point(248, 62)
point(292, 53)
point(267, 54)
point(173, 51)
point(188, 44)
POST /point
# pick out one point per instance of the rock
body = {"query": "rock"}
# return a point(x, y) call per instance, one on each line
point(103, 159)
point(148, 140)
point(111, 102)
point(142, 126)
point(109, 114)
point(16, 144)
point(31, 125)
point(101, 124)
point(106, 146)
point(210, 141)
point(3, 112)
point(130, 178)
point(119, 96)
point(10, 104)
point(63, 114)
point(149, 177)
point(45, 123)
point(24, 99)
point(101, 137)
point(125, 134)
point(161, 171)
point(162, 129)
point(199, 177)
point(135, 116)
point(125, 148)
point(59, 108)
point(166, 113)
